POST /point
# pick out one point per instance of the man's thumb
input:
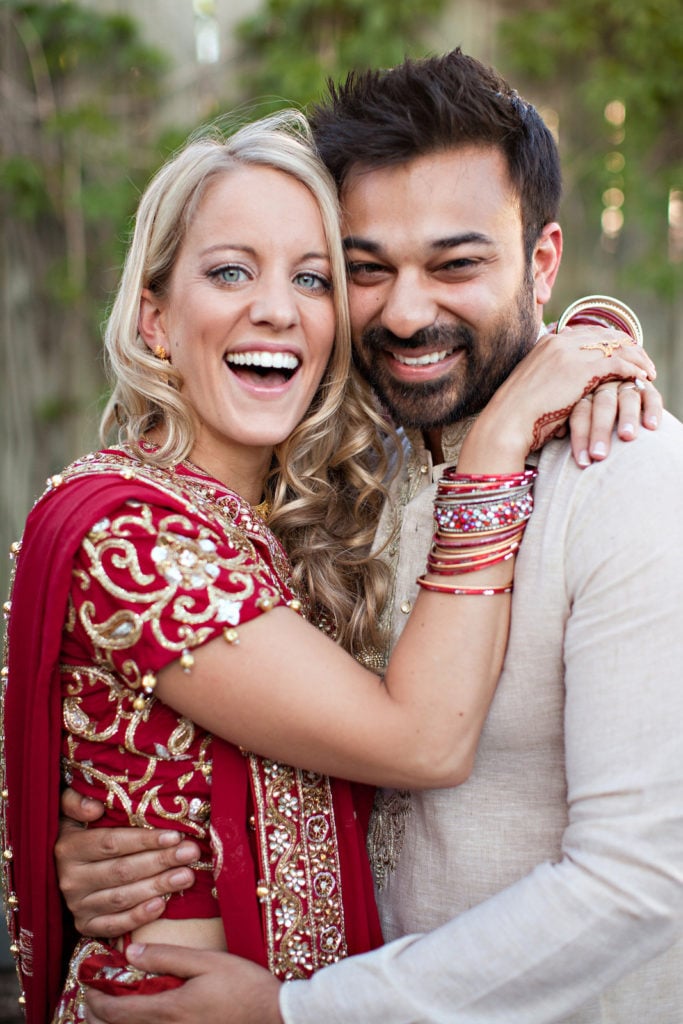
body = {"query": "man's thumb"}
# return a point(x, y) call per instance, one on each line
point(181, 961)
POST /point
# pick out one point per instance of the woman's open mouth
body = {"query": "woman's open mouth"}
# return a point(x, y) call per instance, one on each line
point(271, 367)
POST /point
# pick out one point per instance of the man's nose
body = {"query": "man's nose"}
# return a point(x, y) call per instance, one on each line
point(409, 306)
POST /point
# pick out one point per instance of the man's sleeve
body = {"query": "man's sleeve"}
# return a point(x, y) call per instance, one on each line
point(539, 950)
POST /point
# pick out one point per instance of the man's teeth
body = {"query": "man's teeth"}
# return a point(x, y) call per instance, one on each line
point(432, 357)
point(269, 360)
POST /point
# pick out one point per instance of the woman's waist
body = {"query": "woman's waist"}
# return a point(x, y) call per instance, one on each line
point(199, 933)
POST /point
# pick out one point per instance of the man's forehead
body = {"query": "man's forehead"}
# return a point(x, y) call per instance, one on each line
point(444, 198)
point(449, 161)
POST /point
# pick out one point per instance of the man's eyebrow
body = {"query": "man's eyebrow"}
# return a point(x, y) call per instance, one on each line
point(356, 242)
point(453, 241)
point(449, 242)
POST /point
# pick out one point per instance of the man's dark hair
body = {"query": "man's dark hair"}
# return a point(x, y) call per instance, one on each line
point(381, 118)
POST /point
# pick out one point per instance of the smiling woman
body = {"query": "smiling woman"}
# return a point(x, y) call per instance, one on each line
point(247, 318)
point(229, 351)
point(178, 596)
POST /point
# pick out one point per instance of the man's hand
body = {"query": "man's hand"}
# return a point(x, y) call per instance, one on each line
point(220, 987)
point(616, 403)
point(113, 879)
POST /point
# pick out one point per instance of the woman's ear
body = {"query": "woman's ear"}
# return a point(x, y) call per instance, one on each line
point(545, 261)
point(152, 324)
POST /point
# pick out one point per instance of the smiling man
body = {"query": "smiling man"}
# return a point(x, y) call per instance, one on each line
point(549, 886)
point(441, 319)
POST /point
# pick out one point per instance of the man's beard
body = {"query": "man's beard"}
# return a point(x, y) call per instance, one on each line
point(475, 379)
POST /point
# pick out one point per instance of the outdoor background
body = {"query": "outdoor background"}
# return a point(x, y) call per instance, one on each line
point(95, 95)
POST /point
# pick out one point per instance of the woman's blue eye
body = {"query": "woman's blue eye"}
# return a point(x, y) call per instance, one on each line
point(229, 274)
point(313, 282)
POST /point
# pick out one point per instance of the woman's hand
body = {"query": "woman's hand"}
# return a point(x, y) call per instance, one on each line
point(535, 402)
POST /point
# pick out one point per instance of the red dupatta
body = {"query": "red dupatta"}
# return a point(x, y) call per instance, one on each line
point(32, 734)
point(32, 730)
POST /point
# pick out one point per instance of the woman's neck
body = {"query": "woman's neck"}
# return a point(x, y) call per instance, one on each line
point(244, 475)
point(242, 469)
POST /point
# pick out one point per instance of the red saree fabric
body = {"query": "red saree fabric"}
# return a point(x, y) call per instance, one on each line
point(32, 716)
point(32, 731)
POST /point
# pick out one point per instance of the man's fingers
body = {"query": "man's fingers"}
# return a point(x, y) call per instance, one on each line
point(126, 869)
point(80, 808)
point(118, 885)
point(112, 926)
point(604, 410)
point(182, 961)
point(579, 428)
point(629, 410)
point(104, 1009)
point(217, 987)
point(85, 846)
point(150, 880)
point(110, 894)
point(112, 912)
point(652, 406)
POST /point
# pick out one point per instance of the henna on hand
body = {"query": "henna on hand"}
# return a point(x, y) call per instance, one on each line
point(541, 433)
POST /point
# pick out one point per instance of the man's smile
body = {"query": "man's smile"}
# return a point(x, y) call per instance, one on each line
point(424, 360)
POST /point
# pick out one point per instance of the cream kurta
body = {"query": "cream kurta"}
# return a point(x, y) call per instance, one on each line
point(562, 856)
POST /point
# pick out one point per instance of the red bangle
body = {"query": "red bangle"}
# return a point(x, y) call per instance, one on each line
point(604, 311)
point(486, 481)
point(452, 588)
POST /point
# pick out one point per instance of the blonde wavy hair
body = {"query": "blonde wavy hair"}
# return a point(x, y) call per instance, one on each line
point(328, 479)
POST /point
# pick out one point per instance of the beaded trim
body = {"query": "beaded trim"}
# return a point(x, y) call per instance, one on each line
point(300, 887)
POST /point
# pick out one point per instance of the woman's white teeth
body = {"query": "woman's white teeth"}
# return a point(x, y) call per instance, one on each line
point(431, 357)
point(268, 360)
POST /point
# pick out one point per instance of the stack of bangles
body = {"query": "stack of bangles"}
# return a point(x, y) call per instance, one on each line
point(480, 521)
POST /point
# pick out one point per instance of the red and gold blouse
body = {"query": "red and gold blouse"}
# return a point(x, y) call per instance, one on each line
point(169, 562)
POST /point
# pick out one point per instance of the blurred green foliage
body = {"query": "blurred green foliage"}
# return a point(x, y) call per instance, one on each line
point(22, 181)
point(586, 54)
point(77, 40)
point(96, 85)
point(92, 140)
point(291, 47)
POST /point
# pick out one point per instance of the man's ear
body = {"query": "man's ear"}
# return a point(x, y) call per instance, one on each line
point(545, 261)
point(152, 324)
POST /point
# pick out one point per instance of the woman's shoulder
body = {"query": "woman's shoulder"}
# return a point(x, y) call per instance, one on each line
point(111, 477)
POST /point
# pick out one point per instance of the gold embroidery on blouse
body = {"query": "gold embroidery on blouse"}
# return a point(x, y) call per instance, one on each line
point(138, 777)
point(201, 493)
point(299, 856)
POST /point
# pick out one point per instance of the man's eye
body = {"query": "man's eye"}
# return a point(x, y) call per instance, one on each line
point(356, 268)
point(464, 263)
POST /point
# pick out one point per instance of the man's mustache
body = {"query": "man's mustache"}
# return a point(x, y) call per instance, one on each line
point(377, 339)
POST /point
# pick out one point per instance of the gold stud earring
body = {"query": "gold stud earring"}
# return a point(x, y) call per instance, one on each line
point(160, 353)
